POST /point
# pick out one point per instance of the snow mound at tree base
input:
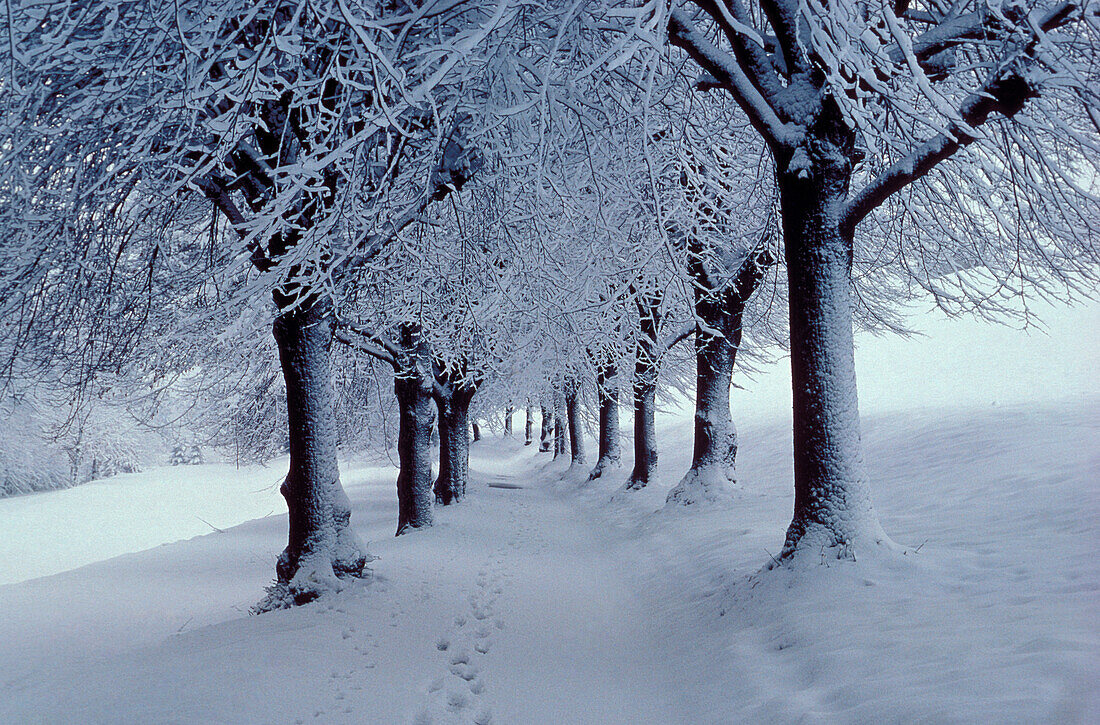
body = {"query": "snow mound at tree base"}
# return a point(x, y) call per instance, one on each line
point(605, 466)
point(710, 486)
point(818, 544)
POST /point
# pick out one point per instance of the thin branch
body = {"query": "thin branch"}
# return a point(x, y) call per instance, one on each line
point(361, 344)
point(1005, 95)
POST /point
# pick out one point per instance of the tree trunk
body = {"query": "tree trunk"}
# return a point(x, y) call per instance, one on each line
point(413, 387)
point(454, 446)
point(832, 501)
point(712, 465)
point(607, 390)
point(529, 425)
point(74, 454)
point(477, 431)
point(508, 413)
point(561, 432)
point(646, 356)
point(546, 438)
point(320, 545)
point(573, 416)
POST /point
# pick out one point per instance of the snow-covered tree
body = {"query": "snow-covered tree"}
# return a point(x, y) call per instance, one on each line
point(317, 130)
point(968, 130)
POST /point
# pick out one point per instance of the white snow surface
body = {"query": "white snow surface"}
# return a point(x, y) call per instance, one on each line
point(56, 531)
point(542, 599)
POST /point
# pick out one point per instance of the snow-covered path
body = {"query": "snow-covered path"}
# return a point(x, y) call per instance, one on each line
point(513, 608)
point(554, 629)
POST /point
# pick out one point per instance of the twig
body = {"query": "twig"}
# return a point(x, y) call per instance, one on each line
point(216, 529)
point(774, 560)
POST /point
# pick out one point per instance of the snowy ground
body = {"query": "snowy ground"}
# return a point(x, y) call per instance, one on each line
point(558, 602)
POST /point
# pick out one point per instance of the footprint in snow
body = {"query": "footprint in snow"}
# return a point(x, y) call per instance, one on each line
point(455, 696)
point(465, 672)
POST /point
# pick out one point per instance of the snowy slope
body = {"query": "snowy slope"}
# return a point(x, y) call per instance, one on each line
point(55, 531)
point(562, 602)
point(994, 619)
point(499, 606)
point(953, 363)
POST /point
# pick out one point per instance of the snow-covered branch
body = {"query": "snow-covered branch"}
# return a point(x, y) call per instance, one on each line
point(727, 71)
point(1005, 94)
point(748, 47)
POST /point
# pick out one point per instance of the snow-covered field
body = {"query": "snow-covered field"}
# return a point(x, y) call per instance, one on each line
point(545, 600)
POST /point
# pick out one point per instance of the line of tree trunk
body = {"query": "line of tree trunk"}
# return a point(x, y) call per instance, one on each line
point(561, 432)
point(321, 546)
point(546, 428)
point(508, 413)
point(529, 425)
point(646, 357)
point(453, 403)
point(573, 418)
point(607, 392)
point(413, 386)
point(719, 309)
point(832, 500)
point(477, 431)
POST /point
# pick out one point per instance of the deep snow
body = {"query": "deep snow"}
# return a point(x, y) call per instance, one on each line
point(56, 531)
point(545, 600)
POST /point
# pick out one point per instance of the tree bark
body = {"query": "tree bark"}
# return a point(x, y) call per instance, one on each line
point(413, 387)
point(573, 417)
point(477, 431)
point(561, 432)
point(607, 390)
point(321, 547)
point(712, 470)
point(529, 425)
point(546, 437)
point(454, 446)
point(832, 502)
point(646, 356)
point(508, 413)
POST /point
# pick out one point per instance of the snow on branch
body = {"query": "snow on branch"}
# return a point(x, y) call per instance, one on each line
point(727, 71)
point(372, 343)
point(783, 16)
point(748, 47)
point(1011, 86)
point(983, 24)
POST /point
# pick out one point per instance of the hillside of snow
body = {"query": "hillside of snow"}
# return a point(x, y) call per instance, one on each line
point(543, 599)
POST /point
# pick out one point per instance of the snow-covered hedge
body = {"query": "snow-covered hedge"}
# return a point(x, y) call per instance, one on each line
point(28, 462)
point(44, 446)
